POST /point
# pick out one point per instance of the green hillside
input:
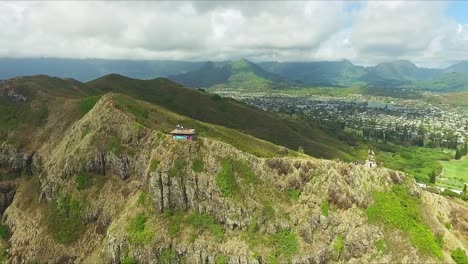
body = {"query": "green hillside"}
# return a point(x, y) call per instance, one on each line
point(111, 188)
point(27, 103)
point(455, 174)
point(323, 73)
point(229, 113)
point(241, 74)
point(90, 69)
point(45, 95)
point(400, 71)
point(461, 67)
point(161, 119)
point(449, 82)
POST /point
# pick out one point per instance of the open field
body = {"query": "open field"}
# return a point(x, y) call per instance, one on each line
point(455, 172)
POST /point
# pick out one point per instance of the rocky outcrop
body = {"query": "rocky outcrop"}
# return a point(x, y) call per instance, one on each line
point(150, 179)
point(7, 193)
point(16, 160)
point(8, 88)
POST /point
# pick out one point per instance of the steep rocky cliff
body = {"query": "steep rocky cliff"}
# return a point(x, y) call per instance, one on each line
point(109, 190)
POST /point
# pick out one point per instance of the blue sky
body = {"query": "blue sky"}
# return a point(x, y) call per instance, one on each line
point(458, 10)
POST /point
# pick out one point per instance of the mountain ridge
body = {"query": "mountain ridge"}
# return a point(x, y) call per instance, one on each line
point(240, 74)
point(276, 75)
point(109, 189)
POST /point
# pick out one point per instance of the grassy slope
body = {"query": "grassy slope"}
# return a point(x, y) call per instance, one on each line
point(416, 161)
point(161, 119)
point(24, 124)
point(227, 113)
point(456, 173)
point(449, 82)
point(341, 73)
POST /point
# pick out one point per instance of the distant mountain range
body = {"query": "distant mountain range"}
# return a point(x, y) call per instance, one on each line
point(243, 74)
point(390, 74)
point(240, 74)
point(246, 75)
point(90, 69)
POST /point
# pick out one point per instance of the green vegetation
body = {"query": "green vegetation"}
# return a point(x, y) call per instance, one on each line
point(40, 115)
point(325, 208)
point(4, 232)
point(86, 104)
point(221, 259)
point(176, 220)
point(83, 181)
point(205, 222)
point(233, 75)
point(450, 82)
point(338, 244)
point(198, 165)
point(432, 176)
point(8, 116)
point(381, 246)
point(168, 255)
point(63, 219)
point(416, 161)
point(231, 172)
point(342, 73)
point(114, 145)
point(129, 260)
point(455, 174)
point(284, 243)
point(268, 210)
point(140, 112)
point(178, 169)
point(154, 165)
point(201, 222)
point(399, 210)
point(281, 130)
point(4, 254)
point(225, 179)
point(329, 91)
point(294, 194)
point(137, 231)
point(143, 198)
point(281, 245)
point(459, 256)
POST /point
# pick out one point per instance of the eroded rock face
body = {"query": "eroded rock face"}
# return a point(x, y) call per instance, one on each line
point(7, 193)
point(14, 159)
point(16, 97)
point(103, 163)
point(9, 89)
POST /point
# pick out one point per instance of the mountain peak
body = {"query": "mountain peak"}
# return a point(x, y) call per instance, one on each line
point(208, 65)
point(398, 63)
point(241, 63)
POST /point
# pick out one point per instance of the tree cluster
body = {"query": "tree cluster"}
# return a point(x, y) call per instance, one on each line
point(460, 152)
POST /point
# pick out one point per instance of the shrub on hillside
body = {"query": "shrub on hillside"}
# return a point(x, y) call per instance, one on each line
point(283, 167)
point(399, 210)
point(459, 256)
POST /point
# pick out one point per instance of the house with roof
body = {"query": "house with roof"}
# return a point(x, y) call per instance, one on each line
point(181, 133)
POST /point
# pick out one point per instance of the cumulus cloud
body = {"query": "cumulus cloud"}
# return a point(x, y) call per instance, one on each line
point(199, 30)
point(400, 29)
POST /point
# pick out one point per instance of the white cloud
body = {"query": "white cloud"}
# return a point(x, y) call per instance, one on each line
point(387, 30)
point(200, 30)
